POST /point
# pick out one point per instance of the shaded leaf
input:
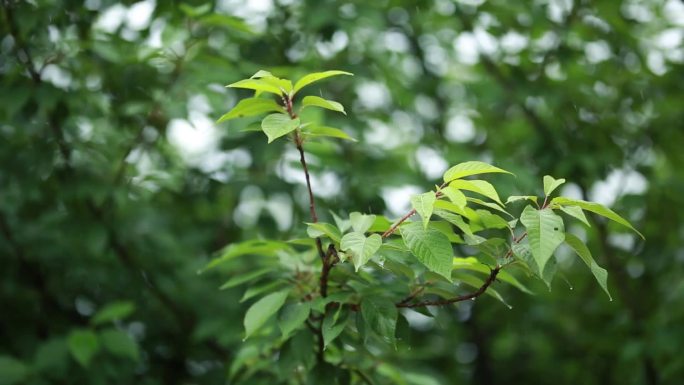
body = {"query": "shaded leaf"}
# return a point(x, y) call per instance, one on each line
point(318, 229)
point(83, 345)
point(380, 315)
point(581, 249)
point(119, 343)
point(113, 312)
point(324, 131)
point(293, 316)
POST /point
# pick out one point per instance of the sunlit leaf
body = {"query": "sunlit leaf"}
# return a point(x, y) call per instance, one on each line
point(478, 186)
point(576, 212)
point(596, 209)
point(316, 76)
point(545, 231)
point(360, 247)
point(550, 184)
point(471, 168)
point(361, 222)
point(277, 125)
point(251, 107)
point(317, 101)
point(323, 131)
point(430, 247)
point(455, 195)
point(424, 204)
point(262, 310)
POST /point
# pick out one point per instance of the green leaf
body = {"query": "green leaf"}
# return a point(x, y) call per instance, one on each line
point(119, 343)
point(575, 211)
point(545, 231)
point(424, 204)
point(317, 101)
point(251, 107)
point(523, 253)
point(258, 85)
point(83, 345)
point(262, 310)
point(277, 125)
point(471, 168)
point(240, 279)
point(472, 264)
point(316, 76)
point(455, 195)
point(113, 312)
point(323, 131)
point(581, 249)
point(516, 198)
point(253, 247)
point(596, 209)
point(455, 220)
point(478, 186)
point(360, 247)
point(550, 184)
point(380, 315)
point(491, 205)
point(12, 371)
point(361, 222)
point(318, 229)
point(332, 327)
point(293, 316)
point(430, 246)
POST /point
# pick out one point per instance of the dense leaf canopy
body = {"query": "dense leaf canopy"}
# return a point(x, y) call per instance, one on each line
point(118, 186)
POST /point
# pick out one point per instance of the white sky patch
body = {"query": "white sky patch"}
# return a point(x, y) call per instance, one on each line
point(465, 46)
point(253, 12)
point(395, 41)
point(656, 62)
point(325, 184)
point(111, 18)
point(338, 42)
point(513, 42)
point(57, 76)
point(674, 12)
point(398, 199)
point(572, 191)
point(486, 42)
point(618, 183)
point(431, 163)
point(404, 128)
point(280, 208)
point(417, 320)
point(373, 95)
point(154, 39)
point(139, 15)
point(460, 128)
point(597, 51)
point(248, 210)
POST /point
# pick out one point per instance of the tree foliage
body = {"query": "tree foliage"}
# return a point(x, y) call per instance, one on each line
point(118, 186)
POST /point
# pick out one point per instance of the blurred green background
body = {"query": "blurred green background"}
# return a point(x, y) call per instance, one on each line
point(116, 185)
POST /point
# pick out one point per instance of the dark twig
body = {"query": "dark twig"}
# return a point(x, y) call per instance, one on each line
point(443, 302)
point(329, 261)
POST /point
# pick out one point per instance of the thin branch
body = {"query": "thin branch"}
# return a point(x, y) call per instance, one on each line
point(443, 302)
point(394, 227)
point(329, 261)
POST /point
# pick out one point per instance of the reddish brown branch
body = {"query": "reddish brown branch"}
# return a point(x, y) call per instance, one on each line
point(329, 261)
point(443, 302)
point(394, 227)
point(408, 215)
